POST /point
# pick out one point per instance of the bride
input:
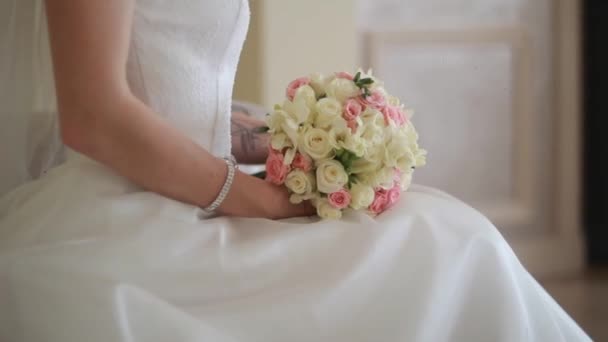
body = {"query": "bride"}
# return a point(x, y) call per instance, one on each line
point(113, 245)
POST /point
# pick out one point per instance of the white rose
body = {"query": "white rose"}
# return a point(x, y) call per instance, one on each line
point(300, 182)
point(381, 178)
point(406, 180)
point(338, 133)
point(315, 143)
point(384, 178)
point(373, 127)
point(420, 157)
point(328, 111)
point(395, 148)
point(297, 199)
point(375, 154)
point(291, 129)
point(318, 82)
point(279, 141)
point(331, 176)
point(354, 144)
point(307, 94)
point(326, 211)
point(342, 89)
point(297, 110)
point(371, 116)
point(406, 162)
point(290, 154)
point(275, 119)
point(362, 196)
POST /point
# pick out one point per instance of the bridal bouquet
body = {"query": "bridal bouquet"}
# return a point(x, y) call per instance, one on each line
point(341, 141)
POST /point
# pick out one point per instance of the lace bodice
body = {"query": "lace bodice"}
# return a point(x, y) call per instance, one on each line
point(183, 60)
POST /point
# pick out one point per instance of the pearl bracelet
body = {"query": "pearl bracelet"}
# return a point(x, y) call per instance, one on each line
point(232, 166)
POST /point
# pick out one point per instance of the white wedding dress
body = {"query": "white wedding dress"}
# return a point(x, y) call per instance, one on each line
point(87, 256)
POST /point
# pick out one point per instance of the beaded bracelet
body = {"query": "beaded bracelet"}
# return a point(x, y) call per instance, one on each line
point(232, 166)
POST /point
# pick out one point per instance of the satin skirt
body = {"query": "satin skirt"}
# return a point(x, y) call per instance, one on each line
point(87, 256)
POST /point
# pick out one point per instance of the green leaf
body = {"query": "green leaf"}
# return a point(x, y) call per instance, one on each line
point(366, 81)
point(357, 76)
point(351, 179)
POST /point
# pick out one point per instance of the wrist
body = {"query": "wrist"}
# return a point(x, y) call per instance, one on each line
point(244, 198)
point(231, 168)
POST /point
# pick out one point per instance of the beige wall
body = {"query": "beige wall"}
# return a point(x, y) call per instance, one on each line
point(292, 38)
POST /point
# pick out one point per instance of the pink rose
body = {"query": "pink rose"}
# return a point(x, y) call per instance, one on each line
point(302, 162)
point(380, 202)
point(294, 85)
point(346, 75)
point(394, 114)
point(352, 110)
point(352, 124)
point(276, 170)
point(393, 196)
point(375, 100)
point(339, 199)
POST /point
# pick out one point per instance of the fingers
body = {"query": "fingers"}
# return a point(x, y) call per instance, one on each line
point(305, 209)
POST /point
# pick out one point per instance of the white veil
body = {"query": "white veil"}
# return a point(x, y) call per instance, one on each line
point(29, 139)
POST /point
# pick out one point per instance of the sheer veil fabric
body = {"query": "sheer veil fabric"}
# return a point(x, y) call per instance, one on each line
point(85, 255)
point(29, 139)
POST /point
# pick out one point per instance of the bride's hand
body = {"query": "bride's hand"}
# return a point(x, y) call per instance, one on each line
point(253, 197)
point(280, 207)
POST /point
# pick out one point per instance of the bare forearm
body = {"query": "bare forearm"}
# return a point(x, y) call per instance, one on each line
point(102, 119)
point(140, 146)
point(249, 146)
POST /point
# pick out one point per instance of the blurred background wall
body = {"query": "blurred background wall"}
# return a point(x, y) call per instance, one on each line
point(494, 84)
point(288, 39)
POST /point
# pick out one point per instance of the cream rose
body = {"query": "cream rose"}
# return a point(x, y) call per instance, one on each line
point(354, 144)
point(338, 133)
point(300, 182)
point(375, 154)
point(275, 120)
point(371, 116)
point(297, 199)
point(279, 141)
point(406, 180)
point(319, 82)
point(328, 111)
point(291, 129)
point(315, 142)
point(331, 176)
point(384, 178)
point(380, 178)
point(326, 210)
point(362, 196)
point(395, 149)
point(342, 89)
point(307, 94)
point(406, 161)
point(298, 110)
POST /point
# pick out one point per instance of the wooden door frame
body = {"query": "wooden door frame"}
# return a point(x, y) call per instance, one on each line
point(557, 251)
